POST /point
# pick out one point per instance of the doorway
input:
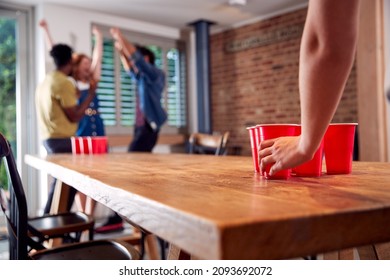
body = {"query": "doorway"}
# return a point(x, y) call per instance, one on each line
point(17, 83)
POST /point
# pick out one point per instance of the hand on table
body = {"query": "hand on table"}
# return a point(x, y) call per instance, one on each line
point(281, 153)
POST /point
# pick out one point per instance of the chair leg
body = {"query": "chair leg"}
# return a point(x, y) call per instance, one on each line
point(90, 235)
point(152, 248)
point(78, 236)
point(142, 249)
point(162, 247)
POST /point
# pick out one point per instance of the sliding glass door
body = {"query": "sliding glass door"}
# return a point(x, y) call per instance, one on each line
point(17, 82)
point(8, 82)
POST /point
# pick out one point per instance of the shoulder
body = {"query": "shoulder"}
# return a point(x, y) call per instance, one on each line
point(61, 79)
point(61, 85)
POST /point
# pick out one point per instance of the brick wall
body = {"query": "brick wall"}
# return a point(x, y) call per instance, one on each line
point(259, 84)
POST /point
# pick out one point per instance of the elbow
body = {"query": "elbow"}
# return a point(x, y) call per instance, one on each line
point(74, 119)
point(332, 51)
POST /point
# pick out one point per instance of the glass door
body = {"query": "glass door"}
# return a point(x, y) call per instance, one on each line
point(17, 79)
point(8, 83)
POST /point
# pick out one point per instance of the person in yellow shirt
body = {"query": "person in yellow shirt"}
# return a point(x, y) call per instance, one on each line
point(58, 111)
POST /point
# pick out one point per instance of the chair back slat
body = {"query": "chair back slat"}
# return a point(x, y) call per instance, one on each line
point(14, 205)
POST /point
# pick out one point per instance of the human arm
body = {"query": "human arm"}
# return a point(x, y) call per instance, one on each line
point(97, 54)
point(48, 39)
point(326, 56)
point(137, 59)
point(128, 65)
point(77, 112)
point(126, 46)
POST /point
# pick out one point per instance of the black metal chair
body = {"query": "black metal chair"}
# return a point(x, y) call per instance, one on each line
point(21, 241)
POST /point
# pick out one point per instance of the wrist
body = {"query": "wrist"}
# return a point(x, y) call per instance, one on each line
point(307, 146)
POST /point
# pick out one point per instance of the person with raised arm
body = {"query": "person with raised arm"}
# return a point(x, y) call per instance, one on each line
point(138, 62)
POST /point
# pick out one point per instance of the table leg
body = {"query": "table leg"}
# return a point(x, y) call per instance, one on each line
point(59, 205)
point(175, 253)
point(60, 198)
point(152, 247)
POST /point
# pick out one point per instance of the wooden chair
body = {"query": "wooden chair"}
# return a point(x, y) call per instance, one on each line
point(20, 240)
point(200, 143)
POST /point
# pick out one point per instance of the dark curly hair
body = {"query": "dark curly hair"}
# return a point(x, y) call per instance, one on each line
point(61, 54)
point(146, 52)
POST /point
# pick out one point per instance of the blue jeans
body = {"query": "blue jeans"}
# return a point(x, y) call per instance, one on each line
point(145, 138)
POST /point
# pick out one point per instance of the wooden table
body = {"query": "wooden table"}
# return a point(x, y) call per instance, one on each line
point(217, 208)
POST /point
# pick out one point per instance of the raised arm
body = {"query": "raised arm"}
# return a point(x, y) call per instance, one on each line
point(327, 53)
point(127, 64)
point(97, 54)
point(128, 48)
point(48, 39)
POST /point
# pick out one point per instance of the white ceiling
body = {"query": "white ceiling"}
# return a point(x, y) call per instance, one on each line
point(178, 13)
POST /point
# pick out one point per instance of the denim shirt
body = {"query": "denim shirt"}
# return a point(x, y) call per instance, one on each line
point(150, 83)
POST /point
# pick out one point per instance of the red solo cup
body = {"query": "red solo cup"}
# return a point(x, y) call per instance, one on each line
point(86, 145)
point(338, 147)
point(259, 135)
point(76, 148)
point(271, 131)
point(99, 144)
point(313, 167)
point(254, 147)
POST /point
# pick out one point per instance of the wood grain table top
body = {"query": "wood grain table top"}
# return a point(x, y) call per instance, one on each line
point(217, 208)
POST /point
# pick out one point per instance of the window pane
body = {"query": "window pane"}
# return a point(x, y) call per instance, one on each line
point(106, 86)
point(175, 95)
point(127, 96)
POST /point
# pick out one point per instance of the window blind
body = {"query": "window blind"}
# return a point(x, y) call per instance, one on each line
point(117, 91)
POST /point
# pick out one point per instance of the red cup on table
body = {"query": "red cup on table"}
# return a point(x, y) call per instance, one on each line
point(99, 144)
point(76, 147)
point(338, 147)
point(254, 147)
point(271, 131)
point(86, 144)
point(313, 167)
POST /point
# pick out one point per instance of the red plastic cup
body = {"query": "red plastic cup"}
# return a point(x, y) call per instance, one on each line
point(338, 147)
point(76, 148)
point(86, 145)
point(254, 147)
point(99, 144)
point(313, 167)
point(271, 131)
point(259, 135)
